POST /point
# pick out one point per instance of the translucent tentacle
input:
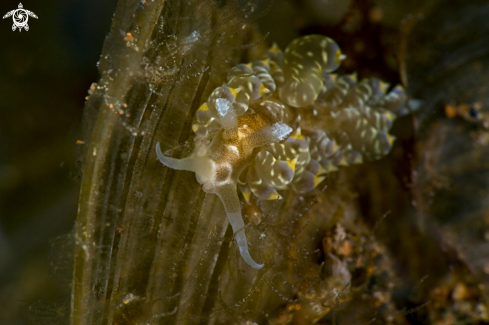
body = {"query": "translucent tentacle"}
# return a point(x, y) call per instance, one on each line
point(180, 164)
point(229, 198)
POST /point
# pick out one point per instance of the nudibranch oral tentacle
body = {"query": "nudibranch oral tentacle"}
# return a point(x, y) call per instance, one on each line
point(229, 196)
point(250, 136)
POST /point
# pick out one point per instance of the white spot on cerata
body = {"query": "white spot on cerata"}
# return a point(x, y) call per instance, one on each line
point(295, 71)
point(324, 56)
point(357, 125)
point(297, 55)
point(317, 70)
point(280, 130)
point(374, 132)
point(222, 105)
point(377, 119)
point(377, 146)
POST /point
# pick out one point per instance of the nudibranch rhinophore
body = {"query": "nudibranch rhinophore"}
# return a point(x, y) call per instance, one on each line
point(284, 122)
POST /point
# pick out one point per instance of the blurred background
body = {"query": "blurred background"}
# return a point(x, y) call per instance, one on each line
point(44, 77)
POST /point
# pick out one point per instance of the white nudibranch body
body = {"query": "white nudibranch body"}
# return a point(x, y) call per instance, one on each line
point(250, 134)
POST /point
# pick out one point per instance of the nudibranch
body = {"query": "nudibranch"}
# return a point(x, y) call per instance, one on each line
point(284, 122)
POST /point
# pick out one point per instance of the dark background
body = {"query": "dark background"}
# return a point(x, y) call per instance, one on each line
point(44, 77)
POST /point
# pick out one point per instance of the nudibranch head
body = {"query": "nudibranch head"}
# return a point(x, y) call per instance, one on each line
point(249, 132)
